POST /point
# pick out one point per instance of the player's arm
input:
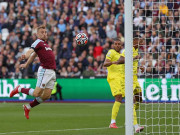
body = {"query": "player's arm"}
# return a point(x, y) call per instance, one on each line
point(108, 63)
point(30, 60)
point(122, 59)
point(27, 55)
point(137, 57)
point(141, 68)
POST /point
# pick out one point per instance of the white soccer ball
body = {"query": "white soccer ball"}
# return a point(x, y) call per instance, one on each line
point(81, 39)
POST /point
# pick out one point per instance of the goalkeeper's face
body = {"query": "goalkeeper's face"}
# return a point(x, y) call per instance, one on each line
point(117, 46)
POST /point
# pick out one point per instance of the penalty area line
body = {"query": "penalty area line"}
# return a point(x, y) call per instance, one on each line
point(23, 132)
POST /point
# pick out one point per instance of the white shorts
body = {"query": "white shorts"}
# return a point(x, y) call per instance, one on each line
point(45, 78)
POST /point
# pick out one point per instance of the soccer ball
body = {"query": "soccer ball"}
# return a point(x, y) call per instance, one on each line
point(81, 39)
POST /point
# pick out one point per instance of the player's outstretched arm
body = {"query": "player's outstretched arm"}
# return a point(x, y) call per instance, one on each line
point(122, 59)
point(30, 60)
point(27, 55)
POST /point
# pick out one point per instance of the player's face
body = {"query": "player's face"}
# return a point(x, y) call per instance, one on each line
point(42, 34)
point(117, 45)
point(135, 43)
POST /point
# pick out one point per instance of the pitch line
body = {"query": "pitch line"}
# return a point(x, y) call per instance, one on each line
point(54, 130)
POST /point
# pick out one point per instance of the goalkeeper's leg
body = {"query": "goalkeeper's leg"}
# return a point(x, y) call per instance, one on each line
point(115, 110)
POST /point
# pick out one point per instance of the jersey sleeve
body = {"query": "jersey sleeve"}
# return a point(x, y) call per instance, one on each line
point(109, 55)
point(36, 45)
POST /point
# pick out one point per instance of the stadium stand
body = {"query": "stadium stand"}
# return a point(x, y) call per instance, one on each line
point(101, 20)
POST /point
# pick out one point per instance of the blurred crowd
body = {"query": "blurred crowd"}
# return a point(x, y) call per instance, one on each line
point(155, 21)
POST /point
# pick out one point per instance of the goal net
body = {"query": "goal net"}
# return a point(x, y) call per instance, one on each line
point(157, 23)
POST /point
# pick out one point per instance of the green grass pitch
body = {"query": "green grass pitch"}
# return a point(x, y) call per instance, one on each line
point(79, 119)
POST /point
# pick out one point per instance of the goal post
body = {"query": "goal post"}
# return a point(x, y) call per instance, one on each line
point(128, 68)
point(156, 22)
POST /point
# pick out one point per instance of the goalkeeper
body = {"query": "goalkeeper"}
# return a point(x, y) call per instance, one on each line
point(136, 87)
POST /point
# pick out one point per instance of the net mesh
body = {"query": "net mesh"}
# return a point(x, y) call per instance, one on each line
point(157, 23)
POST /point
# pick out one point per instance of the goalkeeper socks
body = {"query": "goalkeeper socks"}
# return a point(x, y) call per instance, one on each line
point(28, 91)
point(134, 116)
point(36, 102)
point(115, 111)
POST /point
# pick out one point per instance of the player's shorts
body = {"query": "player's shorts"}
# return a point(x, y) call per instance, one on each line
point(46, 78)
point(136, 86)
point(115, 85)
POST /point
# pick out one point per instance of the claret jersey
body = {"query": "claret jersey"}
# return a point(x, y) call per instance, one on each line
point(45, 54)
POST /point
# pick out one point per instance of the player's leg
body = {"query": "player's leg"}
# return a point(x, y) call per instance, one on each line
point(49, 86)
point(18, 89)
point(135, 123)
point(138, 97)
point(41, 80)
point(36, 93)
point(46, 94)
point(117, 93)
point(135, 91)
point(44, 83)
point(115, 110)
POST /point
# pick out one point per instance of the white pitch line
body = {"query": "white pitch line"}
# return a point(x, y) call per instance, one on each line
point(53, 130)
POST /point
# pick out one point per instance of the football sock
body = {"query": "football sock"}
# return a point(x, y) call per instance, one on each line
point(136, 126)
point(28, 91)
point(31, 91)
point(28, 106)
point(134, 116)
point(36, 102)
point(115, 111)
point(113, 121)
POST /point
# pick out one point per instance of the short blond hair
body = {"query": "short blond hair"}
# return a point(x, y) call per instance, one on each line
point(41, 27)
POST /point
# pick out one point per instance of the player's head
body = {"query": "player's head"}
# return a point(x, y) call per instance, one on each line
point(117, 44)
point(42, 33)
point(137, 41)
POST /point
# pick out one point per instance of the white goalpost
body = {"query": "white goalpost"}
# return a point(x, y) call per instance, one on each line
point(157, 22)
point(128, 68)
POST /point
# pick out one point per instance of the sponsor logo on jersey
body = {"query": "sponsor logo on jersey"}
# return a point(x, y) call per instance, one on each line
point(48, 48)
